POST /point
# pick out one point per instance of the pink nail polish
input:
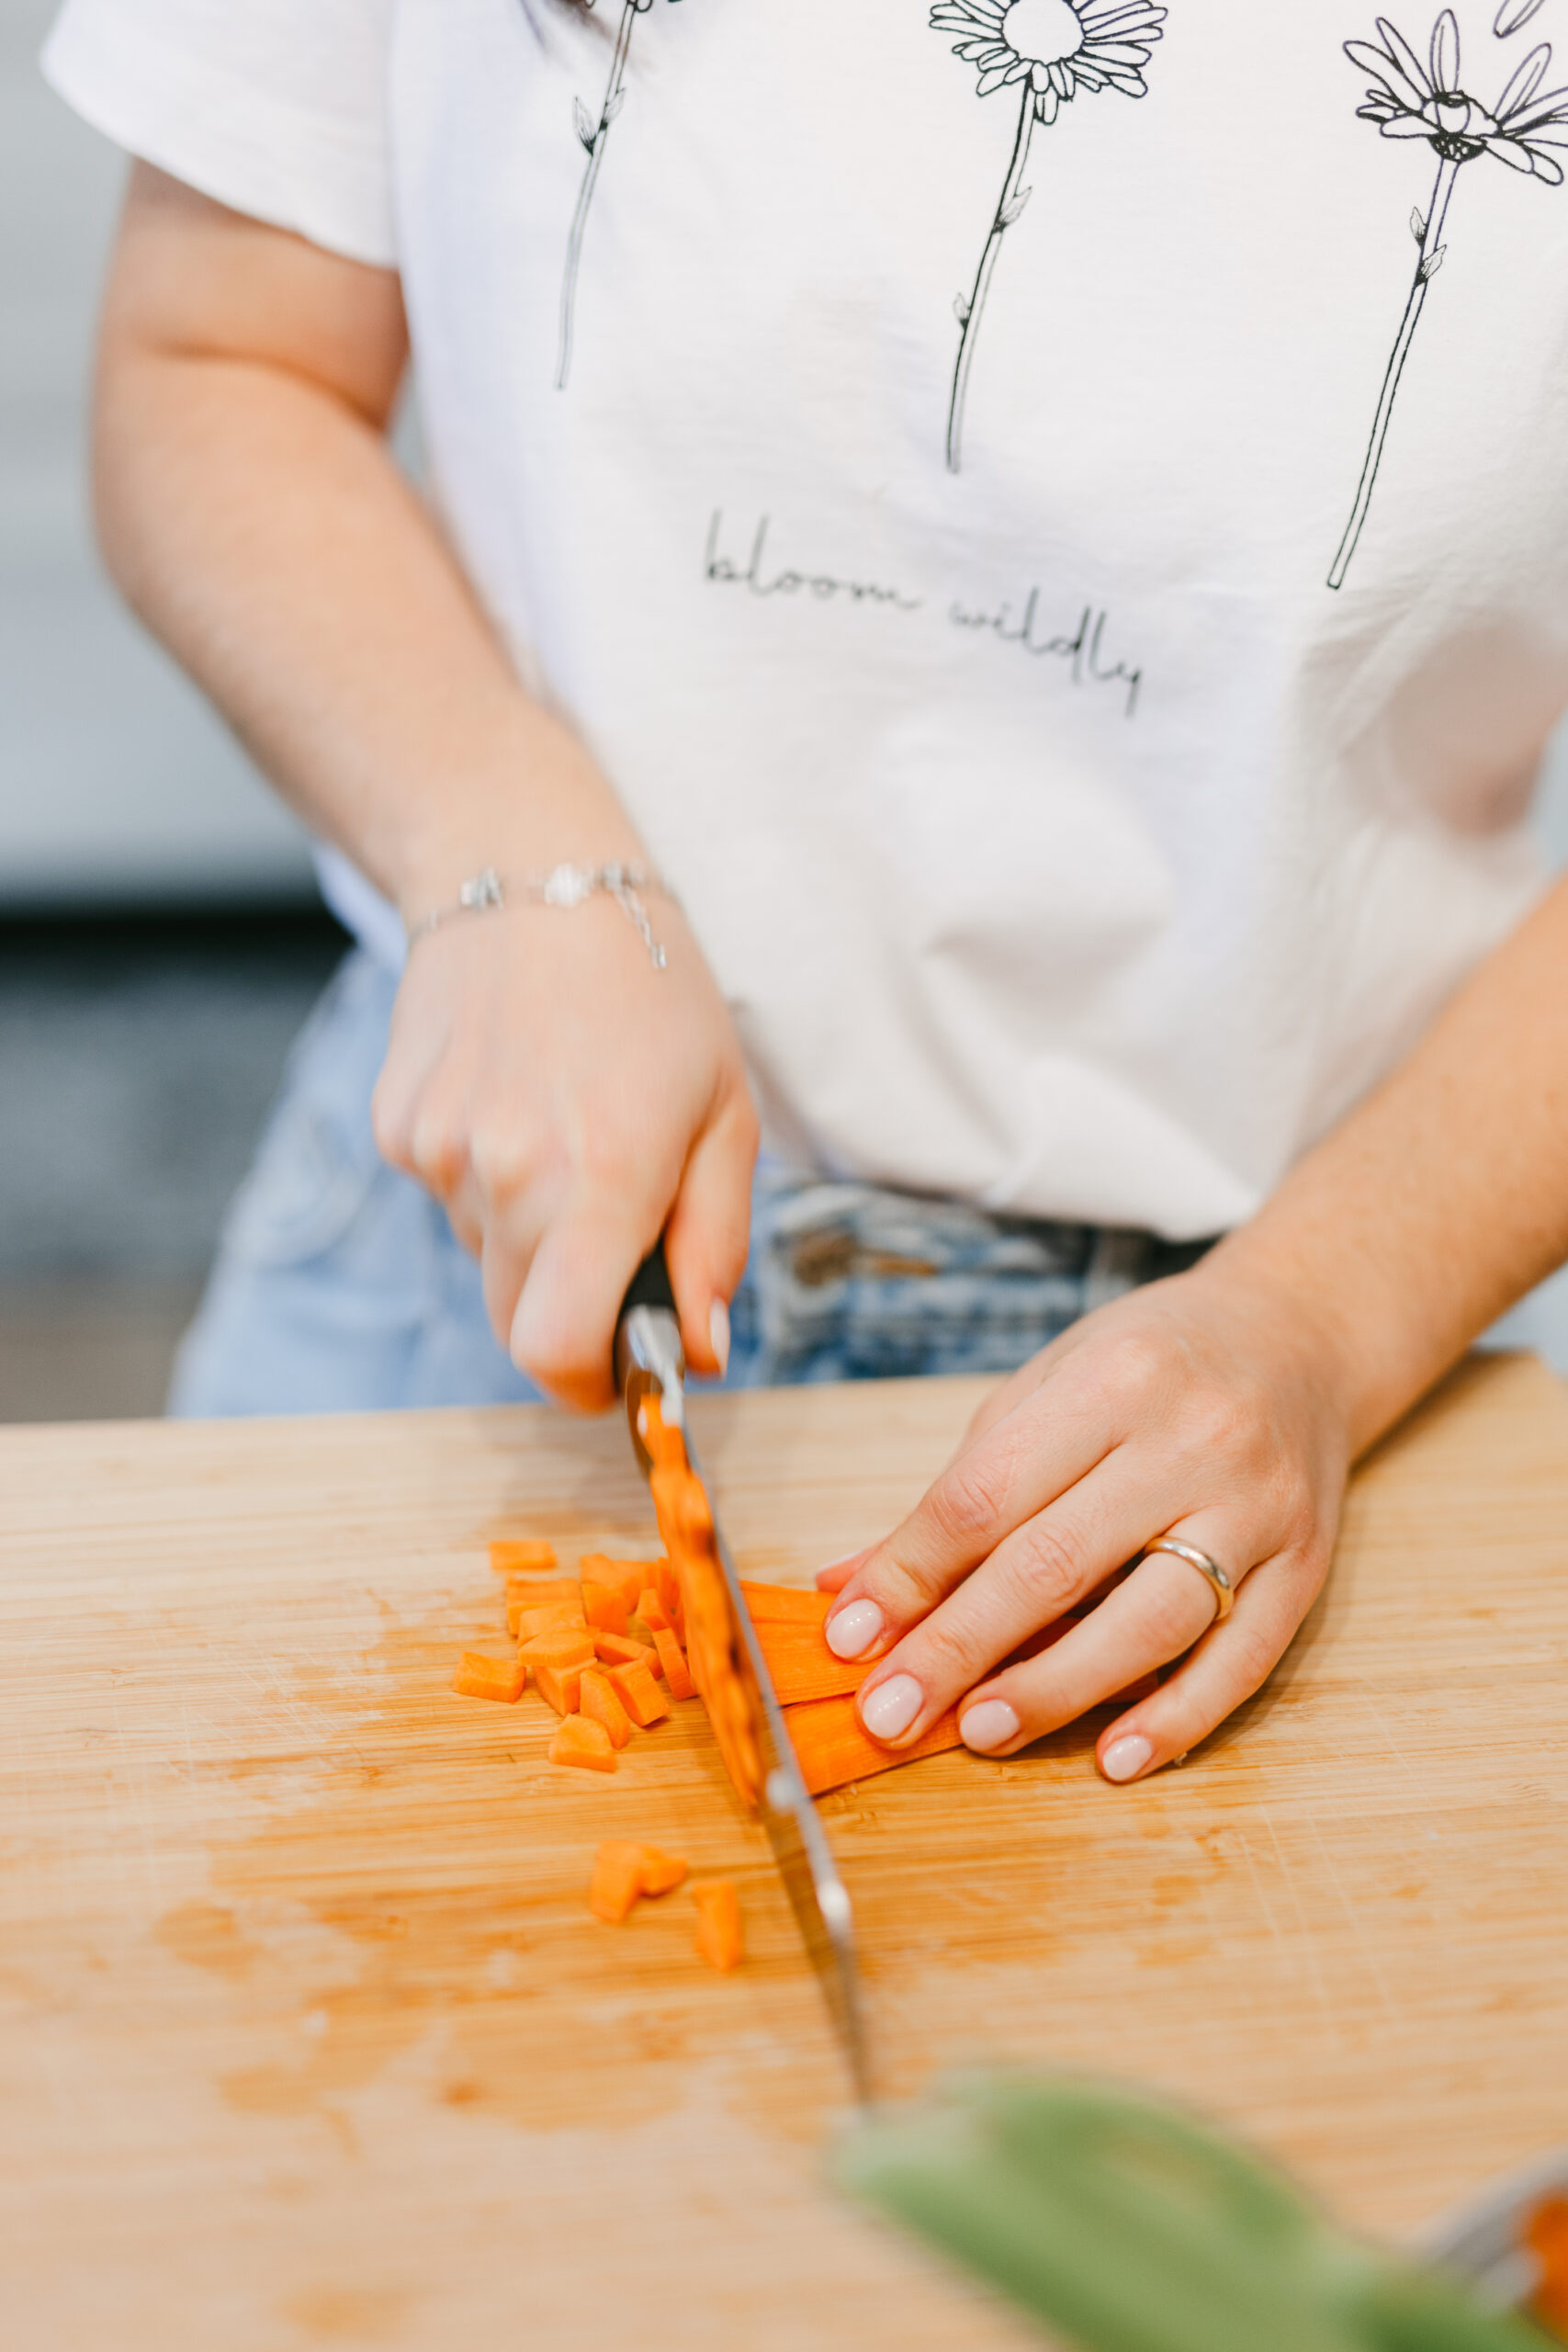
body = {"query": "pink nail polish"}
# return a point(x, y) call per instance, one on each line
point(1125, 1758)
point(855, 1629)
point(892, 1707)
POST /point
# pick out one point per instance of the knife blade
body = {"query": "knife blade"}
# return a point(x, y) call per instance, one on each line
point(651, 1362)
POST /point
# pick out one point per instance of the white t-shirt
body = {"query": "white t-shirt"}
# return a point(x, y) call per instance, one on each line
point(1060, 837)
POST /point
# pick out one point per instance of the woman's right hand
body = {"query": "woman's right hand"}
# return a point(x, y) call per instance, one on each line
point(568, 1102)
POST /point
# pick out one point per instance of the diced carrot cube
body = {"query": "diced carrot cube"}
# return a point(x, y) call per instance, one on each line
point(603, 1608)
point(617, 1882)
point(672, 1658)
point(559, 1645)
point(508, 1557)
point(625, 1576)
point(639, 1694)
point(652, 1611)
point(527, 1625)
point(661, 1874)
point(721, 1939)
point(560, 1686)
point(619, 1649)
point(490, 1677)
point(586, 1745)
point(600, 1704)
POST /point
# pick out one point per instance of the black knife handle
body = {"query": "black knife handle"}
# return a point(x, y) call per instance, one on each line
point(649, 1285)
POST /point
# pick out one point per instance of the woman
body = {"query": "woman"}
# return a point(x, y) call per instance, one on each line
point(1000, 587)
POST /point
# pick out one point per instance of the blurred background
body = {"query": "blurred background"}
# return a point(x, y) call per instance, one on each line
point(161, 940)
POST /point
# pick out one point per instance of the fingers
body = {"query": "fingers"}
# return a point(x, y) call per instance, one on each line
point(1153, 1616)
point(1229, 1664)
point(708, 1234)
point(1047, 1443)
point(564, 1326)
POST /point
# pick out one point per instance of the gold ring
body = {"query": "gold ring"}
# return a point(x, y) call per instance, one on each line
point(1225, 1591)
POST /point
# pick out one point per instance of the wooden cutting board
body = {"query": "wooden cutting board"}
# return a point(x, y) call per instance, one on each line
point(307, 2037)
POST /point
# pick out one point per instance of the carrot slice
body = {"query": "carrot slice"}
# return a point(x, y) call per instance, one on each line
point(672, 1658)
point(721, 1939)
point(661, 1874)
point(708, 1632)
point(652, 1611)
point(560, 1686)
point(586, 1745)
point(787, 1604)
point(619, 1649)
point(490, 1677)
point(802, 1665)
point(507, 1557)
point(600, 1704)
point(639, 1694)
point(616, 1884)
point(604, 1607)
point(833, 1748)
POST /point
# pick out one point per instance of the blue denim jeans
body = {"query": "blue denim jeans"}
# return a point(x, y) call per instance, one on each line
point(339, 1285)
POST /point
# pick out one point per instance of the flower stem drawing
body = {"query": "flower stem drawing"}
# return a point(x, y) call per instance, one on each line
point(1053, 49)
point(594, 137)
point(1412, 100)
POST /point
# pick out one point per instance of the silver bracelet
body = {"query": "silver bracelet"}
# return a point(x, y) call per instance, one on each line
point(566, 885)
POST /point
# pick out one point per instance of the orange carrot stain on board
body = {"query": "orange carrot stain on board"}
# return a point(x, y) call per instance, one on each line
point(451, 1861)
point(205, 1935)
point(347, 2314)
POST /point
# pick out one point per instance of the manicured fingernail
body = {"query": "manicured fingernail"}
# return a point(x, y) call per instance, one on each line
point(1125, 1758)
point(892, 1707)
point(990, 1724)
point(718, 1333)
point(851, 1633)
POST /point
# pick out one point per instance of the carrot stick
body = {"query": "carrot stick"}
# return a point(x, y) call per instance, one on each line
point(490, 1677)
point(787, 1604)
point(802, 1667)
point(721, 1939)
point(833, 1748)
point(585, 1745)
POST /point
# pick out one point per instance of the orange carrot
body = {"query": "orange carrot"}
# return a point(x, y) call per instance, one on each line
point(639, 1694)
point(667, 1585)
point(833, 1748)
point(560, 1686)
point(623, 1873)
point(709, 1635)
point(661, 1874)
point(527, 1625)
point(490, 1677)
point(672, 1658)
point(802, 1665)
point(721, 1937)
point(600, 1704)
point(1546, 2235)
point(652, 1611)
point(628, 1577)
point(787, 1604)
point(616, 1884)
point(508, 1557)
point(559, 1645)
point(586, 1745)
point(604, 1607)
point(558, 1593)
point(619, 1649)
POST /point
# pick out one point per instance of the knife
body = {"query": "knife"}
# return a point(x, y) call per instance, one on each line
point(651, 1362)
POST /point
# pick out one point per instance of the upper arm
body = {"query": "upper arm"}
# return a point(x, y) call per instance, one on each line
point(191, 279)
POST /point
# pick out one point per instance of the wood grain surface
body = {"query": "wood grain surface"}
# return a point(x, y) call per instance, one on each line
point(308, 2039)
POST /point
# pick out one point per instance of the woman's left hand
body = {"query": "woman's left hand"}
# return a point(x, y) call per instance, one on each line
point(1206, 1408)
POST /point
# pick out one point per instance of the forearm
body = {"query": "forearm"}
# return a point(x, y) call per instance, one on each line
point(255, 519)
point(1443, 1198)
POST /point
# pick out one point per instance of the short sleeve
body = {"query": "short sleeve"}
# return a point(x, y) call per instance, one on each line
point(277, 109)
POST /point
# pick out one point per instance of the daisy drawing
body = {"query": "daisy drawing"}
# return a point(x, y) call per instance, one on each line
point(594, 136)
point(1410, 98)
point(1048, 51)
